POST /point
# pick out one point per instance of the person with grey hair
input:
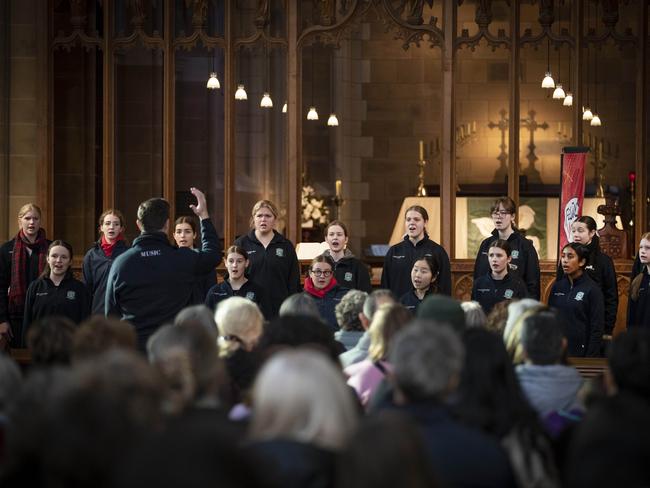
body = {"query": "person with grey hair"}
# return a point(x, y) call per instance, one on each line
point(359, 352)
point(199, 314)
point(427, 360)
point(517, 313)
point(348, 315)
point(299, 304)
point(474, 314)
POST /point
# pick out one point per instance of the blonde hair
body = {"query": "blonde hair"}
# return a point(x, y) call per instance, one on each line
point(389, 319)
point(517, 313)
point(301, 395)
point(264, 204)
point(240, 322)
point(28, 207)
point(636, 282)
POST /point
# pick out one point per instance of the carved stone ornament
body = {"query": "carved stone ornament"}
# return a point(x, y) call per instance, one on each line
point(262, 15)
point(199, 12)
point(325, 11)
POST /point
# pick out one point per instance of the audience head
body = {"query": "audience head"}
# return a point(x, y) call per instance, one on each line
point(199, 314)
point(427, 361)
point(299, 304)
point(542, 338)
point(49, 340)
point(349, 309)
point(441, 308)
point(188, 359)
point(299, 330)
point(240, 324)
point(517, 312)
point(474, 314)
point(496, 319)
point(372, 303)
point(389, 319)
point(301, 395)
point(629, 362)
point(370, 461)
point(153, 215)
point(10, 381)
point(98, 334)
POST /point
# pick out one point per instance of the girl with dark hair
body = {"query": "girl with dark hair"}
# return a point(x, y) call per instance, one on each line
point(424, 277)
point(273, 261)
point(22, 259)
point(348, 270)
point(599, 267)
point(499, 284)
point(99, 258)
point(524, 262)
point(489, 398)
point(400, 258)
point(235, 283)
point(56, 291)
point(185, 233)
point(321, 285)
point(638, 307)
point(580, 302)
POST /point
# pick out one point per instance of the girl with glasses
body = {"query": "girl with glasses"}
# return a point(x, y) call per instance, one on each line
point(524, 262)
point(321, 285)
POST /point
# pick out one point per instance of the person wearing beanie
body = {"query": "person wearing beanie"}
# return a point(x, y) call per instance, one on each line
point(442, 308)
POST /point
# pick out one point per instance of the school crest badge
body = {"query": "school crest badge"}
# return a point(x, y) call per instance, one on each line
point(579, 296)
point(71, 295)
point(347, 276)
point(250, 295)
point(279, 252)
point(514, 254)
point(508, 294)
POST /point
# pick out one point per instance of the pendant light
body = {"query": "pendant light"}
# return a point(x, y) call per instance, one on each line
point(587, 115)
point(312, 114)
point(213, 81)
point(266, 101)
point(333, 120)
point(548, 81)
point(240, 93)
point(595, 121)
point(284, 108)
point(558, 93)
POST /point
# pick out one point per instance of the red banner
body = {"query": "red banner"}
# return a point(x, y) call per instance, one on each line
point(573, 192)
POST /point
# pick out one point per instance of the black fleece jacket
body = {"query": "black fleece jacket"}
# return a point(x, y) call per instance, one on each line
point(275, 269)
point(351, 272)
point(153, 281)
point(223, 290)
point(488, 292)
point(95, 268)
point(525, 262)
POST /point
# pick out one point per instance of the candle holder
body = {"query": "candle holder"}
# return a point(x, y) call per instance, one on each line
point(338, 202)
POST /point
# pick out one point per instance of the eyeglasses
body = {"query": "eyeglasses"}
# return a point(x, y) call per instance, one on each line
point(502, 213)
point(320, 272)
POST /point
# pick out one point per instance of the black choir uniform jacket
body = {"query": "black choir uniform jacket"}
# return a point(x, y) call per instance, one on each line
point(399, 261)
point(351, 272)
point(275, 269)
point(581, 304)
point(600, 269)
point(223, 290)
point(70, 299)
point(488, 292)
point(524, 263)
point(411, 301)
point(153, 280)
point(638, 311)
point(95, 268)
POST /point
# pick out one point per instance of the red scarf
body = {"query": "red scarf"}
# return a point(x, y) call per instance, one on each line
point(319, 292)
point(107, 247)
point(18, 286)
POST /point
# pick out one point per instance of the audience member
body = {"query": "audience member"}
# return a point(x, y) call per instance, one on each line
point(348, 315)
point(428, 359)
point(365, 376)
point(441, 308)
point(299, 304)
point(240, 324)
point(49, 341)
point(99, 334)
point(496, 319)
point(517, 313)
point(303, 414)
point(360, 351)
point(489, 398)
point(474, 314)
point(199, 314)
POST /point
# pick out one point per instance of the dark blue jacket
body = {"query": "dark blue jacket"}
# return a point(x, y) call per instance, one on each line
point(70, 299)
point(411, 301)
point(524, 264)
point(275, 269)
point(638, 311)
point(153, 281)
point(600, 268)
point(488, 292)
point(95, 269)
point(351, 272)
point(327, 304)
point(581, 304)
point(223, 290)
point(460, 456)
point(399, 261)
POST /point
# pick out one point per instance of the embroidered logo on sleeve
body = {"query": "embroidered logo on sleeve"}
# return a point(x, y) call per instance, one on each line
point(579, 296)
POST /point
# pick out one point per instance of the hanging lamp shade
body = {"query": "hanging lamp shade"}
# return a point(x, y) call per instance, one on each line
point(333, 121)
point(558, 93)
point(568, 100)
point(312, 114)
point(595, 121)
point(266, 101)
point(587, 115)
point(213, 82)
point(548, 81)
point(240, 94)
